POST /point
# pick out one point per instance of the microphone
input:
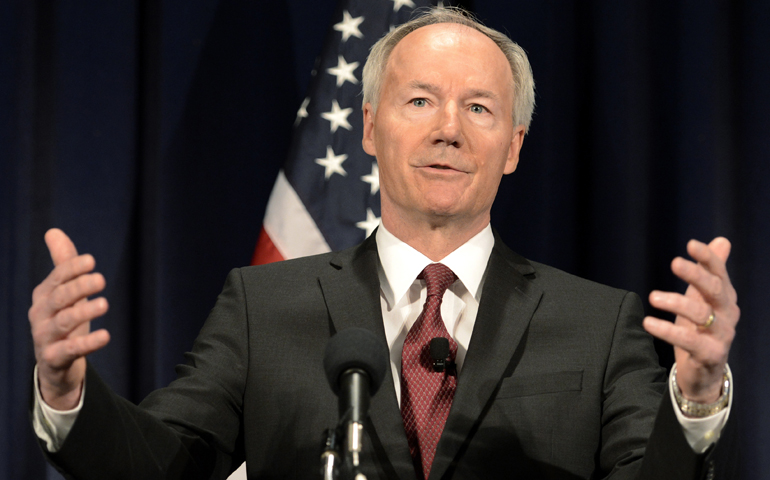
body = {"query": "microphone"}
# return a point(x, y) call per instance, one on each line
point(355, 362)
point(439, 353)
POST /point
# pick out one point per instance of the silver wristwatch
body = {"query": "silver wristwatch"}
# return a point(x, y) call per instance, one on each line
point(700, 410)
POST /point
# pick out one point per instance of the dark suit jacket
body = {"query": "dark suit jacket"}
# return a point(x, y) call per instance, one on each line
point(560, 381)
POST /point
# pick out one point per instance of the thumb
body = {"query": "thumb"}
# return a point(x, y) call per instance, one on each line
point(60, 246)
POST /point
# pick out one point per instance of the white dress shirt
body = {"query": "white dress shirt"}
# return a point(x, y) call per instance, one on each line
point(402, 296)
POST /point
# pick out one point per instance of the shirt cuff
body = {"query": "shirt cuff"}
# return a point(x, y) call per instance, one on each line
point(701, 433)
point(50, 425)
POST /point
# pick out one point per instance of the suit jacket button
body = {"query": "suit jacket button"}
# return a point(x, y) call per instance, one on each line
point(710, 470)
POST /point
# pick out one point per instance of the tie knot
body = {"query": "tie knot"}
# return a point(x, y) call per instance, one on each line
point(438, 277)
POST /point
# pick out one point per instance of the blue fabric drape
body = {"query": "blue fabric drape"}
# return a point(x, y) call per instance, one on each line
point(152, 132)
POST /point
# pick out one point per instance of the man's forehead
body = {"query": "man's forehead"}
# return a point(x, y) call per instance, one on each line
point(477, 52)
point(445, 35)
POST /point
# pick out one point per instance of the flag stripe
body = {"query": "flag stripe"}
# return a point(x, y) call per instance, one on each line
point(265, 251)
point(288, 224)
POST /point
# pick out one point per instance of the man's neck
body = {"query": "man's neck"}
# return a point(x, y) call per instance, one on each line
point(435, 240)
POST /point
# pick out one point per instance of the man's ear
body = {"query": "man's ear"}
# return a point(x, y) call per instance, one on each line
point(368, 140)
point(513, 152)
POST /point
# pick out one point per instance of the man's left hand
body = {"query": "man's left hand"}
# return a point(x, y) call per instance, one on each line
point(700, 349)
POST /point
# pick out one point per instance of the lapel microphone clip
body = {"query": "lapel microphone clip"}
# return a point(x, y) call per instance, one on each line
point(439, 353)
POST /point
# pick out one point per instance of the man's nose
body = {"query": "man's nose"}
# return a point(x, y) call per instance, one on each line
point(448, 128)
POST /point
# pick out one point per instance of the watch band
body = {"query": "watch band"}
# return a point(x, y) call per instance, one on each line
point(700, 410)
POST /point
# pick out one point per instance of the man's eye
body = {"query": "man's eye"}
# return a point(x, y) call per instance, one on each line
point(477, 109)
point(419, 102)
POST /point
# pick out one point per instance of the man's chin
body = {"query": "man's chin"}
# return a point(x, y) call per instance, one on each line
point(443, 214)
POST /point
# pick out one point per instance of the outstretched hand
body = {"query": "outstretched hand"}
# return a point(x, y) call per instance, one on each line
point(701, 345)
point(60, 318)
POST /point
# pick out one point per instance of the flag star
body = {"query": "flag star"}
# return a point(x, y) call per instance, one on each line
point(397, 4)
point(370, 223)
point(349, 26)
point(344, 71)
point(338, 117)
point(332, 163)
point(373, 178)
point(302, 112)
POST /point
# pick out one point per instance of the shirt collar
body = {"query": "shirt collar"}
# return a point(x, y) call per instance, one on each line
point(400, 263)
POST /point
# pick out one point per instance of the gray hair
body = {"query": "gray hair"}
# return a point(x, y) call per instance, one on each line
point(523, 82)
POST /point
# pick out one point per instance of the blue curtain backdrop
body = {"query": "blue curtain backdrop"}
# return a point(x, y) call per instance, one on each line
point(152, 132)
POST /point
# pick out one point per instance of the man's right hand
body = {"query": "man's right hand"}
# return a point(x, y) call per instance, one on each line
point(60, 318)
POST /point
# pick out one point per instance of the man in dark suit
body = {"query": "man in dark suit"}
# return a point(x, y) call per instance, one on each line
point(556, 376)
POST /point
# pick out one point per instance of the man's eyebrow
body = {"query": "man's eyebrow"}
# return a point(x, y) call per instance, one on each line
point(476, 93)
point(435, 89)
point(428, 87)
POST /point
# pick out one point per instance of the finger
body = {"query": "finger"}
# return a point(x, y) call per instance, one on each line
point(61, 354)
point(704, 348)
point(669, 333)
point(60, 246)
point(690, 308)
point(69, 319)
point(713, 260)
point(721, 247)
point(62, 273)
point(68, 294)
point(714, 289)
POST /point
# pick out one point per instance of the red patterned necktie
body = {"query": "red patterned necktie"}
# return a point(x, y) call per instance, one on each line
point(426, 395)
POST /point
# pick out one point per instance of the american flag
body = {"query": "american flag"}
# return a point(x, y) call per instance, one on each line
point(327, 196)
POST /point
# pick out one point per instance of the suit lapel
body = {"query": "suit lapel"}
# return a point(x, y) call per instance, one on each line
point(351, 289)
point(507, 304)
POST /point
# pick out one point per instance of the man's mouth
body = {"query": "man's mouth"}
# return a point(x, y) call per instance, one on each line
point(447, 167)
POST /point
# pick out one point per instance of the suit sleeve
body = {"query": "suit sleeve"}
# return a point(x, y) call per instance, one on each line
point(638, 419)
point(191, 429)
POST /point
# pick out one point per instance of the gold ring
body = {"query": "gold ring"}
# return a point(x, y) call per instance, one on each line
point(710, 321)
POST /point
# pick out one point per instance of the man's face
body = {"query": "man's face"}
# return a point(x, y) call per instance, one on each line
point(443, 132)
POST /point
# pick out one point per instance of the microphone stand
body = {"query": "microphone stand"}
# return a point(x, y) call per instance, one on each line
point(350, 429)
point(354, 393)
point(330, 458)
point(354, 442)
point(332, 462)
point(355, 361)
